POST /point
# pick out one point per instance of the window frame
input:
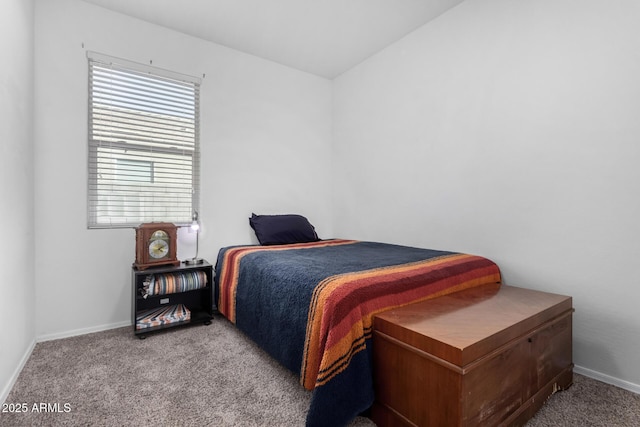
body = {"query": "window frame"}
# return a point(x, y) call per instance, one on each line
point(126, 124)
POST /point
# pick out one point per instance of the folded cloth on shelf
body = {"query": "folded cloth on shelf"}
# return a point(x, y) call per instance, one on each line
point(170, 283)
point(162, 316)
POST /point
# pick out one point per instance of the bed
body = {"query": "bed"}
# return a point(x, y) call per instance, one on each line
point(310, 305)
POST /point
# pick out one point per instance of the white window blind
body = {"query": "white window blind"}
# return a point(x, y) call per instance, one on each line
point(143, 144)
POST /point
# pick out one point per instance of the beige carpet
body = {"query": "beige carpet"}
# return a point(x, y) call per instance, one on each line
point(214, 376)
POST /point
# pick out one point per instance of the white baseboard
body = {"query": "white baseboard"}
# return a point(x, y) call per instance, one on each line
point(7, 388)
point(76, 332)
point(635, 388)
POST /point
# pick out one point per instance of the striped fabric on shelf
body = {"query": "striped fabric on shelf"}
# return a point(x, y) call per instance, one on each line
point(170, 283)
point(162, 316)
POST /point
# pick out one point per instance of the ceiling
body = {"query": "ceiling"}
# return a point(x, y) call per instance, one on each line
point(322, 37)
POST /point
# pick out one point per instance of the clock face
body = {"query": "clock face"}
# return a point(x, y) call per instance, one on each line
point(158, 244)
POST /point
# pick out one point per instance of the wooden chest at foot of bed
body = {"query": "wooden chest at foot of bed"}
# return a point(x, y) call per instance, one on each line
point(480, 357)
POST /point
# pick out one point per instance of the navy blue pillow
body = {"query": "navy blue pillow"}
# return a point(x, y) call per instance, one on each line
point(282, 229)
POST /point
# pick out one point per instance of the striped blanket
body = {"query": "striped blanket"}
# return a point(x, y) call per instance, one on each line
point(311, 306)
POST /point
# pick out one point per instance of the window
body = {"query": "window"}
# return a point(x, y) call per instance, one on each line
point(143, 144)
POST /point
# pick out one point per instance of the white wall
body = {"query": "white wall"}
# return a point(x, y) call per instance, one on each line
point(509, 129)
point(265, 139)
point(17, 288)
point(503, 128)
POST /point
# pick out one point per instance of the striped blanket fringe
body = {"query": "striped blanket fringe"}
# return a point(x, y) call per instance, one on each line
point(162, 316)
point(170, 283)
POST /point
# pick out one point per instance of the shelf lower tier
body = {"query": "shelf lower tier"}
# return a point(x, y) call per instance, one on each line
point(197, 316)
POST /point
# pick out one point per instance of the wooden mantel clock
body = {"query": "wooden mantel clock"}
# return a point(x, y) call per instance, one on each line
point(156, 245)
